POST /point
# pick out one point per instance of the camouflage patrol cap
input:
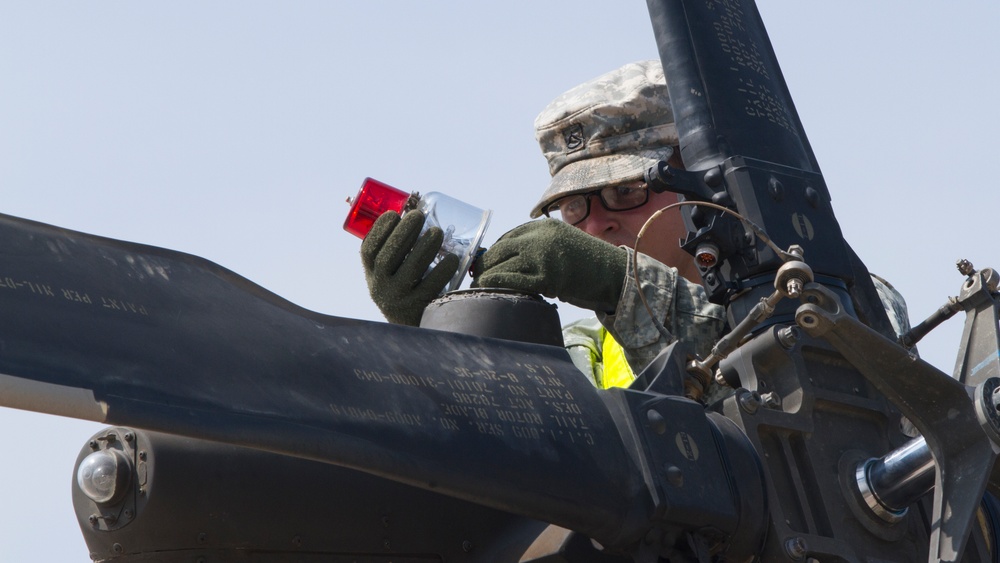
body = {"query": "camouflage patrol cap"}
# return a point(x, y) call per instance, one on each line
point(606, 131)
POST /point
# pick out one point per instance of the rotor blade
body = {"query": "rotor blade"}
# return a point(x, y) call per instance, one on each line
point(135, 335)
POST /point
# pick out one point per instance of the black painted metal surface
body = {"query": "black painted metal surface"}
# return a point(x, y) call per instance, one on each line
point(168, 341)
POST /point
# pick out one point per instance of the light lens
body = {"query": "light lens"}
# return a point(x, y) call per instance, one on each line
point(103, 475)
point(374, 199)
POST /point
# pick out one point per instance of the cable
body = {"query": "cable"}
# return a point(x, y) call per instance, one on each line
point(635, 251)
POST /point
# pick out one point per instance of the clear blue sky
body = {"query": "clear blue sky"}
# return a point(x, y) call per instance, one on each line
point(235, 130)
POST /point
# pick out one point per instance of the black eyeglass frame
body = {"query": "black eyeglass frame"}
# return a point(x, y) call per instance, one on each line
point(600, 196)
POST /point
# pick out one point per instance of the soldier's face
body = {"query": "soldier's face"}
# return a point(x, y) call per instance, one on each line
point(660, 239)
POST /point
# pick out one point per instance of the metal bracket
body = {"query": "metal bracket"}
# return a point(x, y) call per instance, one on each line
point(939, 406)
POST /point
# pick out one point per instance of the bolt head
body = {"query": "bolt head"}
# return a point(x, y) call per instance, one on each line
point(749, 401)
point(796, 548)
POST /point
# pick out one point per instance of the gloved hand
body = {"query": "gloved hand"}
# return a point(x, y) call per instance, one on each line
point(557, 260)
point(395, 257)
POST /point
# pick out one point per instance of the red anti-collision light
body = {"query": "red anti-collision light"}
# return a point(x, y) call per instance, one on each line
point(373, 199)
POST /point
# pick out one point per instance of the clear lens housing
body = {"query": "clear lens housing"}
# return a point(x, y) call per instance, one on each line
point(102, 475)
point(464, 226)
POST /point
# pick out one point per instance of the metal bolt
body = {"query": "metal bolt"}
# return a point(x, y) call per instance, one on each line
point(812, 197)
point(92, 444)
point(202, 537)
point(720, 379)
point(117, 548)
point(92, 519)
point(656, 421)
point(722, 198)
point(713, 178)
point(297, 541)
point(793, 288)
point(128, 514)
point(965, 267)
point(775, 188)
point(788, 337)
point(796, 548)
point(771, 400)
point(129, 436)
point(466, 546)
point(749, 401)
point(142, 455)
point(674, 475)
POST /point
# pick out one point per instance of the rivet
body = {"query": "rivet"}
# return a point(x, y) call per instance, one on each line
point(674, 475)
point(812, 197)
point(656, 421)
point(775, 188)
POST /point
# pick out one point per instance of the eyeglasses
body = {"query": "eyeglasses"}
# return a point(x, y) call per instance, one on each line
point(573, 209)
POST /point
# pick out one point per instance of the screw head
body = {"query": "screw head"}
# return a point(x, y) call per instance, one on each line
point(749, 401)
point(796, 548)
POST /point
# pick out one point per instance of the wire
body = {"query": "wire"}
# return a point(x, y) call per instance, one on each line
point(635, 251)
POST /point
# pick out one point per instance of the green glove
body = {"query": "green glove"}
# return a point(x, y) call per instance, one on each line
point(395, 257)
point(559, 261)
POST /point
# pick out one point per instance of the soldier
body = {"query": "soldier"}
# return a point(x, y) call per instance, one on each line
point(599, 138)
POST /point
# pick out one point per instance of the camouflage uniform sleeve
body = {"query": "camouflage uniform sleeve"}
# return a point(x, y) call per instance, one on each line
point(679, 304)
point(582, 340)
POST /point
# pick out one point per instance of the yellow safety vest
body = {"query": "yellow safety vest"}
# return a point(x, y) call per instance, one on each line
point(617, 372)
